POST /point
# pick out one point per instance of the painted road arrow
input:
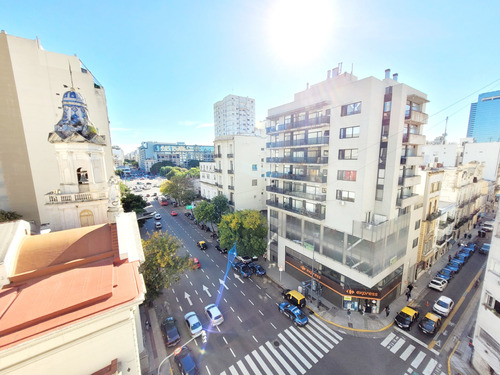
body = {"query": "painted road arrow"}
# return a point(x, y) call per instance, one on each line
point(188, 297)
point(239, 278)
point(205, 289)
point(223, 283)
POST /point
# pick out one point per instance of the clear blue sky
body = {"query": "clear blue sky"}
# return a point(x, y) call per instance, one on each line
point(164, 64)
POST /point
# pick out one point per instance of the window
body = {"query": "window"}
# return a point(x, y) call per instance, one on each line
point(348, 154)
point(352, 132)
point(417, 224)
point(346, 175)
point(415, 242)
point(254, 167)
point(254, 182)
point(351, 109)
point(344, 195)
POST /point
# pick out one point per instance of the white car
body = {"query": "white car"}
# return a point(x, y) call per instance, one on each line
point(193, 324)
point(443, 306)
point(158, 225)
point(438, 284)
point(214, 314)
point(157, 217)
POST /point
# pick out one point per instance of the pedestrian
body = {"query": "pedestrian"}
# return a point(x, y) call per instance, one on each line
point(349, 314)
point(387, 311)
point(449, 258)
point(410, 287)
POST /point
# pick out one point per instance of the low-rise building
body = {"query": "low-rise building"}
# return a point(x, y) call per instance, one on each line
point(208, 180)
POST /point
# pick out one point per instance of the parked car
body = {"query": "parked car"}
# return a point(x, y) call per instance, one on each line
point(196, 263)
point(438, 283)
point(452, 267)
point(293, 313)
point(193, 324)
point(485, 249)
point(244, 259)
point(158, 225)
point(443, 306)
point(456, 263)
point(222, 251)
point(242, 269)
point(257, 269)
point(465, 253)
point(430, 323)
point(459, 259)
point(185, 362)
point(406, 317)
point(462, 256)
point(202, 245)
point(445, 274)
point(171, 333)
point(294, 297)
point(214, 314)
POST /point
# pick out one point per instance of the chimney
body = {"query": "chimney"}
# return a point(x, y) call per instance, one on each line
point(328, 74)
point(335, 72)
point(395, 77)
point(387, 73)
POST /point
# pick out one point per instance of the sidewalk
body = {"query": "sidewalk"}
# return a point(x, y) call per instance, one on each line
point(358, 324)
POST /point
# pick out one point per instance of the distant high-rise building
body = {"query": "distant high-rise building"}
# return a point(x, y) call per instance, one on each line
point(484, 118)
point(234, 115)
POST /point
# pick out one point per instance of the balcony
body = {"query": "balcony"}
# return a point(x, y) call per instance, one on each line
point(416, 118)
point(230, 187)
point(433, 216)
point(298, 194)
point(296, 177)
point(408, 200)
point(217, 170)
point(409, 181)
point(300, 211)
point(322, 120)
point(231, 203)
point(303, 160)
point(230, 171)
point(414, 139)
point(53, 198)
point(412, 160)
point(230, 155)
point(217, 155)
point(218, 185)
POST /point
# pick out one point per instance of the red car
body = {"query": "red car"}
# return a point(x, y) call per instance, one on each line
point(196, 263)
point(173, 213)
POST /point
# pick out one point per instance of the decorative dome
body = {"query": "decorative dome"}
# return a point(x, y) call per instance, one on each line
point(75, 117)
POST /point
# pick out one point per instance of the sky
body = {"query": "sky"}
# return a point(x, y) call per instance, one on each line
point(164, 64)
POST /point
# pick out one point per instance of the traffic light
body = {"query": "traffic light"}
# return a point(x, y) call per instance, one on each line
point(204, 337)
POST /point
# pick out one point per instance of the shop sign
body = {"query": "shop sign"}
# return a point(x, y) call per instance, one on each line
point(363, 293)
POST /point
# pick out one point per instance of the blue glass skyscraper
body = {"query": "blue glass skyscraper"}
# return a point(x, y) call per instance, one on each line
point(484, 118)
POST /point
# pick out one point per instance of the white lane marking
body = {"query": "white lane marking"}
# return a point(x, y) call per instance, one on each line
point(418, 341)
point(261, 362)
point(271, 361)
point(430, 367)
point(243, 293)
point(398, 345)
point(212, 260)
point(261, 313)
point(201, 300)
point(191, 283)
point(233, 370)
point(388, 339)
point(314, 324)
point(231, 308)
point(225, 300)
point(224, 339)
point(196, 292)
point(407, 352)
point(207, 277)
point(177, 299)
point(252, 365)
point(274, 326)
point(257, 285)
point(268, 295)
point(301, 337)
point(295, 351)
point(173, 290)
point(235, 285)
point(251, 302)
point(241, 321)
point(242, 367)
point(217, 265)
point(254, 338)
point(416, 362)
point(187, 277)
point(302, 347)
point(282, 360)
point(180, 307)
point(234, 355)
point(313, 333)
point(213, 285)
point(218, 329)
point(318, 321)
point(202, 270)
point(208, 370)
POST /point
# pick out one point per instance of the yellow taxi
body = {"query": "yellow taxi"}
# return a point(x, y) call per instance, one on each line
point(406, 318)
point(430, 323)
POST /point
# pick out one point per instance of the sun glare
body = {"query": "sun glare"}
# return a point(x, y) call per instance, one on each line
point(298, 30)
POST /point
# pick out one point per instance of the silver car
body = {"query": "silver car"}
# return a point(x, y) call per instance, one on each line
point(438, 284)
point(193, 324)
point(214, 314)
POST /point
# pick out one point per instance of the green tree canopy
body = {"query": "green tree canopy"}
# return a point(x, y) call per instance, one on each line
point(123, 189)
point(221, 207)
point(162, 266)
point(155, 168)
point(119, 172)
point(176, 171)
point(6, 216)
point(247, 228)
point(180, 188)
point(132, 202)
point(133, 163)
point(193, 163)
point(205, 212)
point(194, 172)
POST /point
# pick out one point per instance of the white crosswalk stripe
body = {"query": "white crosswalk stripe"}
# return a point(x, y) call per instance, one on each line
point(273, 350)
point(294, 361)
point(326, 328)
point(302, 338)
point(323, 348)
point(233, 370)
point(388, 339)
point(271, 360)
point(252, 365)
point(430, 367)
point(302, 347)
point(416, 362)
point(242, 368)
point(311, 330)
point(407, 352)
point(261, 362)
point(295, 351)
point(398, 345)
point(326, 333)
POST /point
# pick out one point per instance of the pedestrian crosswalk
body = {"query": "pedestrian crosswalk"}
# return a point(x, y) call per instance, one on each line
point(294, 351)
point(418, 359)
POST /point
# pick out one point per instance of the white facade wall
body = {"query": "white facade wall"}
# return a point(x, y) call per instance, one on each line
point(446, 155)
point(234, 115)
point(208, 180)
point(118, 156)
point(487, 153)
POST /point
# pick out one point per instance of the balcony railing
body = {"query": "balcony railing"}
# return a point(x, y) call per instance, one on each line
point(230, 171)
point(303, 160)
point(297, 177)
point(299, 142)
point(301, 211)
point(409, 181)
point(412, 160)
point(416, 117)
point(414, 139)
point(230, 155)
point(434, 216)
point(408, 200)
point(217, 170)
point(231, 203)
point(298, 194)
point(230, 187)
point(299, 124)
point(217, 155)
point(54, 198)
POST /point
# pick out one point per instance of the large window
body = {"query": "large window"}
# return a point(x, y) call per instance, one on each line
point(351, 109)
point(346, 175)
point(344, 195)
point(352, 132)
point(348, 154)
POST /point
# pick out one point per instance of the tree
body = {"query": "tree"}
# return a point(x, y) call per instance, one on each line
point(175, 171)
point(165, 170)
point(162, 266)
point(155, 168)
point(124, 189)
point(6, 216)
point(205, 212)
point(133, 163)
point(119, 172)
point(221, 206)
point(180, 188)
point(247, 228)
point(193, 163)
point(132, 202)
point(194, 172)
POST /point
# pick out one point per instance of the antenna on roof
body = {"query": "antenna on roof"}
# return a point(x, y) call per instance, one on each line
point(71, 75)
point(445, 129)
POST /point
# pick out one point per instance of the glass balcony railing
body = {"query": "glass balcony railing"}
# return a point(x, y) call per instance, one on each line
point(297, 210)
point(303, 160)
point(298, 194)
point(297, 177)
point(322, 120)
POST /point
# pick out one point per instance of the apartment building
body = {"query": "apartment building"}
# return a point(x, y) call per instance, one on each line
point(234, 115)
point(32, 87)
point(342, 205)
point(484, 118)
point(208, 179)
point(118, 156)
point(178, 153)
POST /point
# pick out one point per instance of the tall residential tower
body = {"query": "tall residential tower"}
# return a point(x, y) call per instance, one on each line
point(234, 115)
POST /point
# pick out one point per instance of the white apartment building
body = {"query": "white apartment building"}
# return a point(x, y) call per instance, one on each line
point(118, 156)
point(341, 195)
point(240, 170)
point(208, 179)
point(234, 115)
point(486, 339)
point(31, 90)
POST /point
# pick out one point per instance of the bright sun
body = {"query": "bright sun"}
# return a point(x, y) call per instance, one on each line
point(299, 29)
